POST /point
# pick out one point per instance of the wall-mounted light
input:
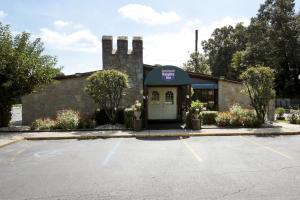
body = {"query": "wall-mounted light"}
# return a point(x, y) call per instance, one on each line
point(187, 96)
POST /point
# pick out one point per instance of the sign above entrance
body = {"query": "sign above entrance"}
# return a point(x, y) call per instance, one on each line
point(168, 74)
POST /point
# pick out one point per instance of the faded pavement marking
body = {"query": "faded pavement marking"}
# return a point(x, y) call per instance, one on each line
point(111, 153)
point(196, 156)
point(268, 148)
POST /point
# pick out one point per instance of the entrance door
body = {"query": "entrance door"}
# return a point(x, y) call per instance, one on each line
point(162, 103)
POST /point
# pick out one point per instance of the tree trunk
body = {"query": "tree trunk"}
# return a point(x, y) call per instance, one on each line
point(5, 114)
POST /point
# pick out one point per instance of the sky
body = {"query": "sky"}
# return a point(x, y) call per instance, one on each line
point(72, 30)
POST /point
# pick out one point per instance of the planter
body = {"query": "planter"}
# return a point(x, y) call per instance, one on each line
point(137, 125)
point(137, 114)
point(196, 125)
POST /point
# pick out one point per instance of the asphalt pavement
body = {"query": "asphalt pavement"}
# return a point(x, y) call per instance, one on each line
point(237, 167)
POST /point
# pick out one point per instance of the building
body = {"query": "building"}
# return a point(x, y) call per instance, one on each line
point(165, 90)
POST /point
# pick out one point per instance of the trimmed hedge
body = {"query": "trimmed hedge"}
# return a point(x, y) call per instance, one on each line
point(280, 112)
point(209, 117)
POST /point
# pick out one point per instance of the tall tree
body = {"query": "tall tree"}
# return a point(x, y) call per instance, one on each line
point(23, 68)
point(224, 42)
point(274, 40)
point(259, 83)
point(197, 63)
point(107, 87)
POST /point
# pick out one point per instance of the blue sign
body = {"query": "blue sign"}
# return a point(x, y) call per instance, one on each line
point(168, 74)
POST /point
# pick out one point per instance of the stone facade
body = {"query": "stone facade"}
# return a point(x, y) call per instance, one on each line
point(66, 93)
point(127, 61)
point(229, 93)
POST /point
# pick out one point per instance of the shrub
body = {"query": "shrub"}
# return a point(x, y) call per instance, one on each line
point(223, 119)
point(67, 119)
point(43, 124)
point(280, 112)
point(107, 87)
point(209, 117)
point(237, 116)
point(86, 122)
point(294, 117)
point(193, 113)
point(128, 117)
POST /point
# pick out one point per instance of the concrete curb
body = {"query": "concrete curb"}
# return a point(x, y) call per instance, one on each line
point(152, 135)
point(10, 142)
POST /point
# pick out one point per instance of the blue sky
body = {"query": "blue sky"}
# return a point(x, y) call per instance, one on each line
point(72, 29)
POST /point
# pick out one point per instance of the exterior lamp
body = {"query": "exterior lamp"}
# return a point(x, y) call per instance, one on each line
point(187, 96)
point(299, 77)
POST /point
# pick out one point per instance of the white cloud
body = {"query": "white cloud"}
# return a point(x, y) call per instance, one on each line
point(61, 23)
point(147, 15)
point(2, 14)
point(174, 47)
point(82, 40)
point(64, 24)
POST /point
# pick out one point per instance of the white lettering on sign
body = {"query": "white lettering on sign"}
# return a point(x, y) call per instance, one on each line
point(168, 74)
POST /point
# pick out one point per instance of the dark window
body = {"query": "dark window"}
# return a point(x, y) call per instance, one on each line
point(170, 97)
point(155, 96)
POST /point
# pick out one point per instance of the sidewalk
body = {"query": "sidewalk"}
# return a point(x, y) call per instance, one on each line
point(284, 129)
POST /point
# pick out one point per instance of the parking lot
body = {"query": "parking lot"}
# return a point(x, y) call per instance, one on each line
point(241, 167)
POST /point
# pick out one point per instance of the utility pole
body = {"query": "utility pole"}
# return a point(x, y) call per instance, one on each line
point(196, 41)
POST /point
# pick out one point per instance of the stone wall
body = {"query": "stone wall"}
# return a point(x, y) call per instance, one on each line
point(67, 93)
point(229, 93)
point(127, 61)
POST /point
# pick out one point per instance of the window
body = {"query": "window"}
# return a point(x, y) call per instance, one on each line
point(169, 97)
point(155, 96)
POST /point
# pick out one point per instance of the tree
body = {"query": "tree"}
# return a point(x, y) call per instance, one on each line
point(274, 41)
point(224, 42)
point(23, 68)
point(106, 87)
point(259, 84)
point(197, 63)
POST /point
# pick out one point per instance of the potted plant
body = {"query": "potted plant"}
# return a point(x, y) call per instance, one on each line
point(137, 110)
point(196, 108)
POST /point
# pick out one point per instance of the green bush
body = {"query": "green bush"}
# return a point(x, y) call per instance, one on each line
point(43, 124)
point(209, 117)
point(294, 117)
point(193, 113)
point(280, 112)
point(67, 119)
point(128, 117)
point(223, 119)
point(237, 116)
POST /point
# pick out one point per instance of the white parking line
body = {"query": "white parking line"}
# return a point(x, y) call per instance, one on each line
point(111, 153)
point(196, 156)
point(268, 148)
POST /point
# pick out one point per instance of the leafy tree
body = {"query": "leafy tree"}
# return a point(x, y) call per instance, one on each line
point(23, 68)
point(197, 63)
point(274, 41)
point(259, 84)
point(106, 87)
point(224, 42)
